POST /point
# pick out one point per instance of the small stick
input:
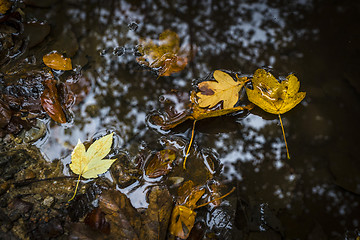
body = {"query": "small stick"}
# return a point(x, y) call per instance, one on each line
point(191, 140)
point(202, 205)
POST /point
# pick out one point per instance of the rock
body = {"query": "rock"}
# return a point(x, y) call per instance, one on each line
point(48, 201)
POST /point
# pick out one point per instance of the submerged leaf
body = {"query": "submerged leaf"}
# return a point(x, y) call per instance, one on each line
point(165, 56)
point(57, 61)
point(160, 164)
point(272, 96)
point(50, 101)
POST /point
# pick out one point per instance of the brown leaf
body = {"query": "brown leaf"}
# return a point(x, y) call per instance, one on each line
point(125, 221)
point(57, 61)
point(5, 114)
point(96, 220)
point(51, 103)
point(157, 215)
point(160, 163)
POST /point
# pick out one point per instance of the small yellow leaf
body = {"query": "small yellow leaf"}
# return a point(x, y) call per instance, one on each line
point(57, 61)
point(224, 89)
point(272, 96)
point(4, 6)
point(182, 221)
point(90, 163)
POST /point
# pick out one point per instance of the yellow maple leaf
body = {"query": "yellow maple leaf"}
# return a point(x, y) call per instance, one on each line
point(57, 61)
point(273, 96)
point(90, 163)
point(224, 89)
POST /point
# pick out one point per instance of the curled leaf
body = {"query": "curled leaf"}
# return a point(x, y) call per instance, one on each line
point(57, 61)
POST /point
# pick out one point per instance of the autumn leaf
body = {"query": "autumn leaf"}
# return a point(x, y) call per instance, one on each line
point(183, 215)
point(275, 97)
point(4, 6)
point(272, 96)
point(90, 163)
point(57, 61)
point(182, 221)
point(225, 89)
point(165, 56)
point(50, 101)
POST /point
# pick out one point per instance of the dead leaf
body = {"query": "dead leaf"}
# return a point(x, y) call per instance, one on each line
point(182, 221)
point(165, 56)
point(50, 101)
point(157, 216)
point(57, 61)
point(90, 163)
point(273, 96)
point(160, 163)
point(4, 6)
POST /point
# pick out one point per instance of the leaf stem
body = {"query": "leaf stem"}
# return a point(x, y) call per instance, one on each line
point(282, 128)
point(191, 140)
point(77, 184)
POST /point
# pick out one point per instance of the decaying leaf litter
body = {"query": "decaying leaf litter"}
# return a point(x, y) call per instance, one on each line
point(213, 98)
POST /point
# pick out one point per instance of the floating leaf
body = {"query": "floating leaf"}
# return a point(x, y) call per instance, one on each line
point(90, 163)
point(4, 6)
point(57, 61)
point(165, 56)
point(225, 89)
point(273, 96)
point(50, 101)
point(160, 164)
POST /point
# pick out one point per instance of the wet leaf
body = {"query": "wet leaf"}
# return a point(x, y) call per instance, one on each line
point(160, 164)
point(57, 61)
point(165, 56)
point(5, 114)
point(182, 221)
point(50, 101)
point(96, 220)
point(272, 96)
point(157, 215)
point(225, 89)
point(90, 163)
point(4, 6)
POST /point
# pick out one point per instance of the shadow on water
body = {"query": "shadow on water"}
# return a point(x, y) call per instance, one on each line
point(313, 195)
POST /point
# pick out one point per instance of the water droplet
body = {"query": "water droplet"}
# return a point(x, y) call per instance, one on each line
point(118, 51)
point(133, 26)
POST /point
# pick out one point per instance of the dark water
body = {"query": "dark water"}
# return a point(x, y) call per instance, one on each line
point(313, 195)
